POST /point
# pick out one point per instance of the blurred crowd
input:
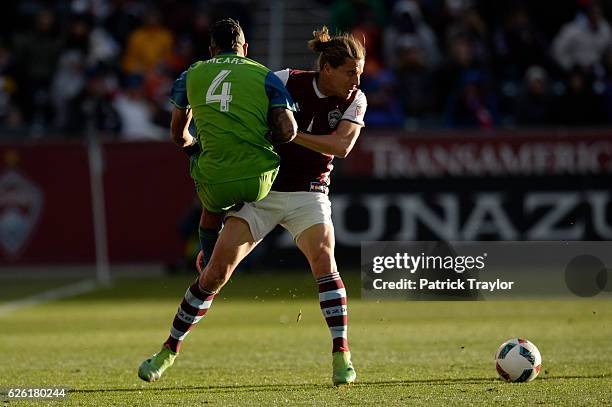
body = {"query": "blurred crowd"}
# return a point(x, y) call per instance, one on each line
point(67, 67)
point(108, 65)
point(483, 64)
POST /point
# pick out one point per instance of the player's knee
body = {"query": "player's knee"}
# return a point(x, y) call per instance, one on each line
point(211, 220)
point(213, 277)
point(323, 262)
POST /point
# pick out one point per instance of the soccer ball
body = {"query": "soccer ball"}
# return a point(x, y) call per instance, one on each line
point(518, 360)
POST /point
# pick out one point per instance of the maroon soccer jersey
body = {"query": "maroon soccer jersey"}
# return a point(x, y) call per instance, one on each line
point(300, 167)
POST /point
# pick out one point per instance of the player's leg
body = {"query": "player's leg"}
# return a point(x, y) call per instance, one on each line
point(210, 226)
point(214, 205)
point(313, 230)
point(317, 243)
point(234, 243)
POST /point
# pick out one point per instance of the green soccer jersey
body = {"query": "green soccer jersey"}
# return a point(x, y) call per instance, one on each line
point(230, 97)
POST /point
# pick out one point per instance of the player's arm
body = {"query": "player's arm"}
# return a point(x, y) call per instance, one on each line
point(179, 128)
point(181, 117)
point(340, 143)
point(281, 122)
point(283, 127)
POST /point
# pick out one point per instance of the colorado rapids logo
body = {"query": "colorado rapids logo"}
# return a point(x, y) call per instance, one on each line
point(20, 207)
point(334, 117)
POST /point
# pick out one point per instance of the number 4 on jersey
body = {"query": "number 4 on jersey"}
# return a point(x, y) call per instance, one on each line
point(224, 98)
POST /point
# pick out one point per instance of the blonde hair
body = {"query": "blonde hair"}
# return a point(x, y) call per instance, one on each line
point(333, 50)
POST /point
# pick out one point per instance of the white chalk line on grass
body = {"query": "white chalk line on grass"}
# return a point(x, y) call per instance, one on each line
point(72, 290)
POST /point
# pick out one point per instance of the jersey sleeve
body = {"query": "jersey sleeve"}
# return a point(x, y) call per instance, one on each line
point(277, 93)
point(283, 75)
point(178, 94)
point(356, 111)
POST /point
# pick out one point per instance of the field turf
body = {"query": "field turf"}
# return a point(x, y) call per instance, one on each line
point(251, 350)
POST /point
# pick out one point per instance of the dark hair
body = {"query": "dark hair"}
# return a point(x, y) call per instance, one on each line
point(226, 35)
point(334, 50)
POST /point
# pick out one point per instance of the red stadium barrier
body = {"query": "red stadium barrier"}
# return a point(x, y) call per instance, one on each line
point(477, 154)
point(45, 202)
point(45, 198)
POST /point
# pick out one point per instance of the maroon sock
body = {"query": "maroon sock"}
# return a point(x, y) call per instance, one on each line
point(195, 304)
point(332, 298)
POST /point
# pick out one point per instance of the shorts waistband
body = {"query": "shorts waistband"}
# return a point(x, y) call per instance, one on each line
point(313, 187)
point(318, 187)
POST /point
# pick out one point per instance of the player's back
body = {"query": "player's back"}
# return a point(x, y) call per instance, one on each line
point(227, 95)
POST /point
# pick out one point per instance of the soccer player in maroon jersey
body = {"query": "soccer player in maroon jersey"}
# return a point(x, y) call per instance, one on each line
point(330, 117)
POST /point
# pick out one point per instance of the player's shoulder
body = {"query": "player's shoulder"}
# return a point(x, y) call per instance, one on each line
point(360, 97)
point(356, 108)
point(294, 74)
point(299, 75)
point(196, 65)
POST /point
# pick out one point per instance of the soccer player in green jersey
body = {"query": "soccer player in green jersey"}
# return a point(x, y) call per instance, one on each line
point(240, 110)
point(332, 110)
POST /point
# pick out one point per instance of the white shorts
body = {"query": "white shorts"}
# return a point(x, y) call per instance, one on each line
point(295, 211)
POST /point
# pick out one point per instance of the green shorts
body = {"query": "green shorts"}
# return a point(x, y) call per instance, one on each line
point(221, 197)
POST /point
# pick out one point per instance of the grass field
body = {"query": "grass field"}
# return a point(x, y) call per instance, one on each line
point(249, 350)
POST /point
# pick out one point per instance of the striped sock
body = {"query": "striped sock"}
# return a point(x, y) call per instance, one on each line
point(332, 298)
point(195, 304)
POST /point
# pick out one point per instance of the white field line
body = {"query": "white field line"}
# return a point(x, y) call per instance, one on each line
point(68, 291)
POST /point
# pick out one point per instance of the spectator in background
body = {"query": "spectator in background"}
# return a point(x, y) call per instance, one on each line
point(579, 105)
point(582, 42)
point(406, 18)
point(69, 78)
point(535, 104)
point(96, 102)
point(344, 14)
point(96, 9)
point(156, 85)
point(460, 59)
point(200, 35)
point(123, 18)
point(10, 117)
point(606, 84)
point(36, 54)
point(103, 49)
point(147, 46)
point(182, 56)
point(136, 114)
point(414, 78)
point(95, 44)
point(384, 108)
point(367, 31)
point(92, 106)
point(68, 83)
point(77, 37)
point(472, 105)
point(518, 45)
point(239, 10)
point(471, 27)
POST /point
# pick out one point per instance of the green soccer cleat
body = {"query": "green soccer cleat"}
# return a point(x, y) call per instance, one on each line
point(153, 368)
point(343, 370)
